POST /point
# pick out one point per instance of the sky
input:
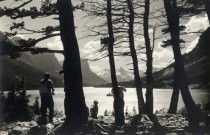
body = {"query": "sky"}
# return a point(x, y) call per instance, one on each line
point(162, 56)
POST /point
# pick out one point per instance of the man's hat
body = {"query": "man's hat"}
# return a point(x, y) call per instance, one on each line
point(122, 88)
point(47, 74)
point(95, 102)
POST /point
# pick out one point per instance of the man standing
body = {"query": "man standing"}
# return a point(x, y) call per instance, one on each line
point(119, 102)
point(46, 91)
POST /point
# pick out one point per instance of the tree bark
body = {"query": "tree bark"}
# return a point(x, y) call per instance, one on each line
point(180, 75)
point(149, 86)
point(149, 75)
point(176, 85)
point(75, 107)
point(174, 99)
point(118, 107)
point(135, 59)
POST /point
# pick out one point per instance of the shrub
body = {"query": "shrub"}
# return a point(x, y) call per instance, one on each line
point(16, 106)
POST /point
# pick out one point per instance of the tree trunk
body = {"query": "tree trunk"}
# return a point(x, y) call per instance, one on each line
point(207, 6)
point(75, 107)
point(135, 60)
point(174, 101)
point(194, 112)
point(175, 97)
point(176, 85)
point(149, 86)
point(118, 103)
point(149, 51)
point(180, 76)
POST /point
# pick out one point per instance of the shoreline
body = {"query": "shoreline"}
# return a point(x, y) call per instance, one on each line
point(170, 124)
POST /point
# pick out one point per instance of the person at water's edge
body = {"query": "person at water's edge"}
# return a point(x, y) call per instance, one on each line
point(94, 109)
point(120, 105)
point(46, 91)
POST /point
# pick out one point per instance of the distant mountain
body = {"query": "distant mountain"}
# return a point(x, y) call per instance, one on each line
point(89, 77)
point(104, 74)
point(122, 75)
point(32, 67)
point(197, 67)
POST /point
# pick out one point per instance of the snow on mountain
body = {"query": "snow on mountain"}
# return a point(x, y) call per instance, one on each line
point(122, 74)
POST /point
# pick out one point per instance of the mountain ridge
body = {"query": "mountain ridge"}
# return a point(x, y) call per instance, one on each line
point(12, 70)
point(89, 77)
point(197, 67)
point(33, 67)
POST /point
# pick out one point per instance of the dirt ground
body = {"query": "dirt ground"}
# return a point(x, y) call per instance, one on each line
point(104, 125)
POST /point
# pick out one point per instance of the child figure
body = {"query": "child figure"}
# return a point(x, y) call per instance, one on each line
point(36, 106)
point(94, 109)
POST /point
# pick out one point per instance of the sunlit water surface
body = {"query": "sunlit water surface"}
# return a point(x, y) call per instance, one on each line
point(161, 98)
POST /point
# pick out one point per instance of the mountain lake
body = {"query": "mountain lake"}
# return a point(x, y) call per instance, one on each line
point(161, 98)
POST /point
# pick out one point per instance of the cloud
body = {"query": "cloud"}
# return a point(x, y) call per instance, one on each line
point(165, 55)
point(139, 42)
point(91, 50)
point(56, 44)
point(162, 56)
point(191, 45)
point(90, 47)
point(124, 47)
point(197, 23)
point(4, 23)
point(151, 31)
point(53, 44)
point(20, 36)
point(96, 68)
point(142, 66)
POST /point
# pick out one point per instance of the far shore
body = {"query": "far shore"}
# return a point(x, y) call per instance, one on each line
point(109, 87)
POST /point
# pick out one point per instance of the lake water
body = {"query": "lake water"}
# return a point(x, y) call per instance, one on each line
point(161, 98)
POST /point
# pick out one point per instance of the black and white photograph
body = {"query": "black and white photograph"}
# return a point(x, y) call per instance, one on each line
point(104, 67)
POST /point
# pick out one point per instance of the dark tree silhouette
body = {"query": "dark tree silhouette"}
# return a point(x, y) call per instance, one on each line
point(13, 49)
point(122, 32)
point(180, 78)
point(75, 107)
point(22, 12)
point(186, 10)
point(120, 20)
point(118, 109)
point(197, 6)
point(135, 59)
point(207, 8)
point(149, 49)
point(149, 74)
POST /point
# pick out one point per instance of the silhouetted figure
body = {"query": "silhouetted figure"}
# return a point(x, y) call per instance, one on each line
point(46, 91)
point(2, 100)
point(22, 82)
point(22, 87)
point(119, 102)
point(121, 90)
point(94, 109)
point(36, 106)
